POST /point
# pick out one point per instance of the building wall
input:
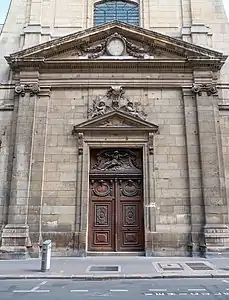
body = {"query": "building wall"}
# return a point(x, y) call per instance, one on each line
point(52, 202)
point(51, 153)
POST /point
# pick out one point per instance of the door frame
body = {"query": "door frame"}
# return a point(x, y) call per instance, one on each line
point(141, 141)
point(116, 208)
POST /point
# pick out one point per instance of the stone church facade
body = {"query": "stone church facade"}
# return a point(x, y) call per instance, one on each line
point(114, 128)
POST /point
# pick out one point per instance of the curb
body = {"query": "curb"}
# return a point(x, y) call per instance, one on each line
point(112, 277)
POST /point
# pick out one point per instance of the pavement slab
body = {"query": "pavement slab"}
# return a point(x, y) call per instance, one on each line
point(114, 268)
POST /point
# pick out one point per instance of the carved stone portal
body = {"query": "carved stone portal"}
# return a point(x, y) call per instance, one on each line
point(115, 99)
point(116, 160)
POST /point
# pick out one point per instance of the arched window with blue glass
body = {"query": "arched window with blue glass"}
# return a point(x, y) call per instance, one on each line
point(112, 10)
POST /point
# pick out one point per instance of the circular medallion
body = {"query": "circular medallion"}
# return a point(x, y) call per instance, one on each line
point(116, 46)
point(129, 189)
point(102, 189)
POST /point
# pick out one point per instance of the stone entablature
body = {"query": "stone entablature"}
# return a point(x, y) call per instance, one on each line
point(66, 52)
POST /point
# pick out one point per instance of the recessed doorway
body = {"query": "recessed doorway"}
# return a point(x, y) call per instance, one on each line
point(116, 216)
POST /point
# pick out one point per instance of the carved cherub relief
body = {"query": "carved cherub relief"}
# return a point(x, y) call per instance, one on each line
point(115, 99)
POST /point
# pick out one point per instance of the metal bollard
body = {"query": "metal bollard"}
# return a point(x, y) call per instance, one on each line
point(46, 255)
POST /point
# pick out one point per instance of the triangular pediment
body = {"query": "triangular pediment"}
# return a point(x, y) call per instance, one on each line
point(115, 121)
point(94, 44)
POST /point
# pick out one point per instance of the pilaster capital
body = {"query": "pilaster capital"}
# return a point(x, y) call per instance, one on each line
point(208, 88)
point(30, 88)
point(80, 140)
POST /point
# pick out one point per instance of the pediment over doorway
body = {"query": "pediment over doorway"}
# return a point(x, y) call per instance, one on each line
point(115, 121)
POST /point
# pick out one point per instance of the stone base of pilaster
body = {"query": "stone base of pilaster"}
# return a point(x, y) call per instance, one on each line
point(163, 244)
point(216, 240)
point(15, 238)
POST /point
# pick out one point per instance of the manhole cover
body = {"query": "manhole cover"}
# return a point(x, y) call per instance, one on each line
point(198, 266)
point(103, 269)
point(171, 267)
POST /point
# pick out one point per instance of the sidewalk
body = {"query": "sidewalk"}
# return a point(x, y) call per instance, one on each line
point(121, 268)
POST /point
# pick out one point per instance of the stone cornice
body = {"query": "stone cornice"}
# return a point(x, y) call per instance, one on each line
point(100, 32)
point(149, 64)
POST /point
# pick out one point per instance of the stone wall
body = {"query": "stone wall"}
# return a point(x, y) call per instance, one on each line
point(171, 176)
point(52, 205)
point(224, 128)
point(43, 187)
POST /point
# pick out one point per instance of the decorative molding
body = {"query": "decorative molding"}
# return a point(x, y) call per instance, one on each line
point(151, 144)
point(111, 160)
point(209, 89)
point(32, 89)
point(129, 188)
point(115, 100)
point(80, 143)
point(117, 45)
point(6, 105)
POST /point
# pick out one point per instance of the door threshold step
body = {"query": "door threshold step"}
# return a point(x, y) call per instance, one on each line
point(94, 253)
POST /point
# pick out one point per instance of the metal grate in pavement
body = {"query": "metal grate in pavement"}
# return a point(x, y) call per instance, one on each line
point(199, 266)
point(103, 269)
point(171, 267)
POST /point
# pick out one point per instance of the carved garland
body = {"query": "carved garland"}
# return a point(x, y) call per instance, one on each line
point(128, 47)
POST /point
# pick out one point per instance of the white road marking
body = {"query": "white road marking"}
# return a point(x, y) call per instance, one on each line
point(34, 290)
point(22, 291)
point(158, 290)
point(79, 291)
point(206, 294)
point(196, 290)
point(183, 294)
point(226, 281)
point(118, 290)
point(148, 294)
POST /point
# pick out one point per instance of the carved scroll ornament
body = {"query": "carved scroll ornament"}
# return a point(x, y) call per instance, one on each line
point(80, 143)
point(32, 89)
point(209, 89)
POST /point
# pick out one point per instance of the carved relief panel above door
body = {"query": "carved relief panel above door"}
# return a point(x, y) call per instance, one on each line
point(120, 161)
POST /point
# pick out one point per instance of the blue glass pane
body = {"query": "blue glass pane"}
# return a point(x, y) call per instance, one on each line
point(122, 11)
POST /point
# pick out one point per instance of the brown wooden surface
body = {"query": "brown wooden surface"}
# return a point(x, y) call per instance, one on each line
point(116, 215)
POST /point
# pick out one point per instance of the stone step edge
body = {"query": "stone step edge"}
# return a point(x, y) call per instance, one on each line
point(112, 277)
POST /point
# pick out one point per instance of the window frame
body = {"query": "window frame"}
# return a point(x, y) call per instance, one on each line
point(138, 2)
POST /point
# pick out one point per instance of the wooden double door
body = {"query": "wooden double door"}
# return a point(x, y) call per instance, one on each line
point(116, 221)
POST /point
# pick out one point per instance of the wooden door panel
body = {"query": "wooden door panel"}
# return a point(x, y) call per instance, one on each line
point(103, 226)
point(130, 227)
point(116, 215)
point(101, 218)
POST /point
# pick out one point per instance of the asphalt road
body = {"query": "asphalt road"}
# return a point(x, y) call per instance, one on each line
point(125, 289)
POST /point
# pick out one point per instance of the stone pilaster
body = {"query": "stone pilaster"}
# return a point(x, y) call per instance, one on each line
point(15, 236)
point(150, 215)
point(33, 28)
point(216, 229)
point(36, 194)
point(194, 173)
point(79, 235)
